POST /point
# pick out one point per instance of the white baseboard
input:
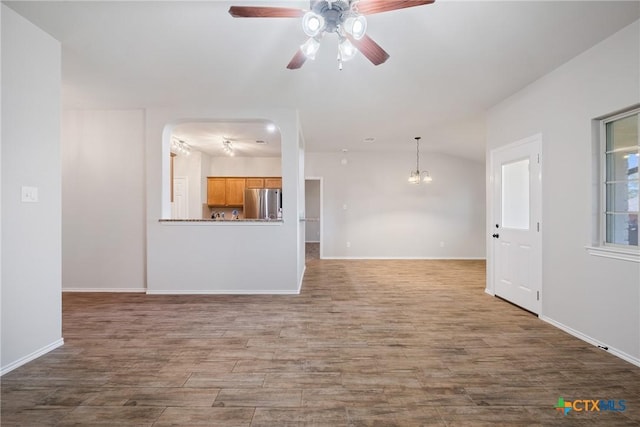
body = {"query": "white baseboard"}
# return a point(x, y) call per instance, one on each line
point(220, 292)
point(403, 258)
point(29, 357)
point(136, 290)
point(490, 292)
point(304, 269)
point(621, 354)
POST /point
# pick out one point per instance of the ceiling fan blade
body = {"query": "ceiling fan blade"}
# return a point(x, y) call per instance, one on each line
point(369, 7)
point(297, 61)
point(265, 12)
point(370, 49)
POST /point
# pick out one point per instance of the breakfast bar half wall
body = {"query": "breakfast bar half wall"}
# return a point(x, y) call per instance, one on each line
point(223, 257)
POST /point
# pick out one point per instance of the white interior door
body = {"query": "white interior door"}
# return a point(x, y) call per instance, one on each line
point(180, 205)
point(517, 257)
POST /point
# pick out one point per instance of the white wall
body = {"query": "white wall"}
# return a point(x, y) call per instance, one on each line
point(596, 298)
point(31, 253)
point(386, 217)
point(103, 235)
point(1, 137)
point(245, 166)
point(300, 200)
point(205, 167)
point(221, 257)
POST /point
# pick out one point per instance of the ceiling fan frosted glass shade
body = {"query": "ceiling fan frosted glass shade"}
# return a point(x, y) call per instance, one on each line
point(347, 50)
point(310, 48)
point(312, 24)
point(427, 177)
point(356, 26)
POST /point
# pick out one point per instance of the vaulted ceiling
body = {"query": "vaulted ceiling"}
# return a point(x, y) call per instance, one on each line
point(450, 62)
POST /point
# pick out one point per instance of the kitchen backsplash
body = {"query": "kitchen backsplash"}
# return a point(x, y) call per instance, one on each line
point(209, 213)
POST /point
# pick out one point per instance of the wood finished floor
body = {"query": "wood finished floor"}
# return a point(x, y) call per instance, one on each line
point(387, 343)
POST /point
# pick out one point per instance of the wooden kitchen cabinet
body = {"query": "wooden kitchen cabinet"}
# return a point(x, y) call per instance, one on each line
point(255, 182)
point(273, 183)
point(225, 192)
point(229, 192)
point(216, 191)
point(235, 192)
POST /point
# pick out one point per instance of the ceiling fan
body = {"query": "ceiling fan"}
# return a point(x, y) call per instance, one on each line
point(346, 18)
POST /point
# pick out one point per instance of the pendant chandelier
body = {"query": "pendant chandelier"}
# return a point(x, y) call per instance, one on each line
point(418, 176)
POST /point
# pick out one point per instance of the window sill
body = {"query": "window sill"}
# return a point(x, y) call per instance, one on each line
point(615, 253)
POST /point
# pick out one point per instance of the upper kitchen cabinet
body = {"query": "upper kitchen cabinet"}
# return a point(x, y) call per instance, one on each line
point(264, 182)
point(225, 192)
point(255, 183)
point(273, 183)
point(216, 191)
point(235, 192)
point(229, 191)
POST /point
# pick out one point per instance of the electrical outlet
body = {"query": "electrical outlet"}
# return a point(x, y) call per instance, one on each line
point(442, 244)
point(29, 194)
point(348, 244)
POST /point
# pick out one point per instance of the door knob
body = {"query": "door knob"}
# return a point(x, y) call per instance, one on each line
point(495, 236)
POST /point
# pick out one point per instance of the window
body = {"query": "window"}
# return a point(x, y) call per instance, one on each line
point(515, 194)
point(620, 141)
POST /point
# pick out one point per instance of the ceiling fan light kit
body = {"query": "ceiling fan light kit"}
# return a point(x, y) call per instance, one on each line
point(345, 18)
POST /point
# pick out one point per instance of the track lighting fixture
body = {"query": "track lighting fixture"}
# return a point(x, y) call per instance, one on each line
point(179, 146)
point(228, 148)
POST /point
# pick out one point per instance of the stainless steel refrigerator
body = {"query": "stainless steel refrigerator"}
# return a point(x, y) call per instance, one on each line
point(262, 203)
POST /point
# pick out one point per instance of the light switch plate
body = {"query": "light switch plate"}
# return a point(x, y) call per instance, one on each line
point(29, 194)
